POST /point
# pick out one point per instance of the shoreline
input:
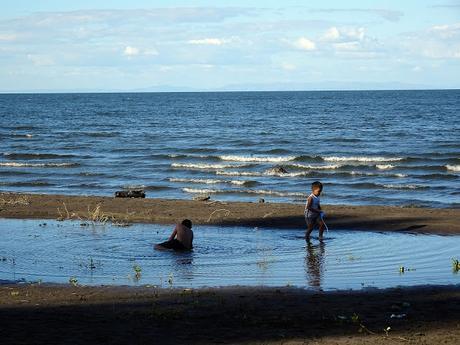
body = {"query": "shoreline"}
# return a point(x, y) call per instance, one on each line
point(246, 214)
point(61, 314)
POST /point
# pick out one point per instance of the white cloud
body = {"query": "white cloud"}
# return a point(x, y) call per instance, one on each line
point(346, 46)
point(304, 43)
point(390, 15)
point(208, 41)
point(332, 34)
point(344, 34)
point(436, 42)
point(446, 31)
point(288, 66)
point(8, 37)
point(151, 52)
point(353, 33)
point(131, 51)
point(40, 60)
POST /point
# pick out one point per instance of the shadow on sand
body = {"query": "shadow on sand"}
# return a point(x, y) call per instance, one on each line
point(104, 315)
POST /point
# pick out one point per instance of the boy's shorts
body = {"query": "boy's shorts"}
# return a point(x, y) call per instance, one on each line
point(173, 244)
point(311, 219)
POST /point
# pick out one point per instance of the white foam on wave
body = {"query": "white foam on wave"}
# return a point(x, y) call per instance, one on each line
point(289, 174)
point(238, 173)
point(249, 191)
point(316, 167)
point(361, 159)
point(208, 181)
point(403, 186)
point(384, 166)
point(37, 165)
point(258, 159)
point(206, 166)
point(269, 172)
point(453, 167)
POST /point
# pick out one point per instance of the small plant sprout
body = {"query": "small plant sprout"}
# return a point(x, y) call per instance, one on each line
point(137, 271)
point(97, 216)
point(92, 266)
point(73, 281)
point(387, 330)
point(403, 269)
point(170, 280)
point(355, 318)
point(455, 265)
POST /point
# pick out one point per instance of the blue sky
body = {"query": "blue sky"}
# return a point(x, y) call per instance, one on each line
point(228, 45)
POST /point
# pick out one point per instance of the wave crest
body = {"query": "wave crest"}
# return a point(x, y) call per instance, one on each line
point(258, 159)
point(38, 165)
point(453, 167)
point(248, 191)
point(361, 159)
point(206, 166)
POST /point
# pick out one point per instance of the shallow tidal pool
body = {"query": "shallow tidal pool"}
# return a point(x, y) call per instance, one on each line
point(52, 251)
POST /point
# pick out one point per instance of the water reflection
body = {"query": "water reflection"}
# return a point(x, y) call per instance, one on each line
point(183, 265)
point(314, 263)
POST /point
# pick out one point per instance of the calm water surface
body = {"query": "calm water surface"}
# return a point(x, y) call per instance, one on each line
point(223, 256)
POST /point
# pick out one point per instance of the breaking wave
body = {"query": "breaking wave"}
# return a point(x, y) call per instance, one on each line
point(248, 191)
point(258, 159)
point(315, 167)
point(39, 165)
point(213, 181)
point(453, 167)
point(361, 159)
point(206, 166)
point(384, 166)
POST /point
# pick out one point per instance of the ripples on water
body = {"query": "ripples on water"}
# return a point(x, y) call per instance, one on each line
point(379, 147)
point(223, 256)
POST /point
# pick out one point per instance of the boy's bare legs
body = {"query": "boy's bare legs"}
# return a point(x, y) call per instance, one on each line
point(321, 230)
point(309, 231)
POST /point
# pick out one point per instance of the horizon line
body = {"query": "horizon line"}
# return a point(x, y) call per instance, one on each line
point(219, 91)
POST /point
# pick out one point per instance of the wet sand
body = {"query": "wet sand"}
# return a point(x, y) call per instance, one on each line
point(47, 314)
point(280, 215)
point(62, 314)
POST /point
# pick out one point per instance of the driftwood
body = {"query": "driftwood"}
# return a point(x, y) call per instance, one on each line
point(202, 198)
point(130, 194)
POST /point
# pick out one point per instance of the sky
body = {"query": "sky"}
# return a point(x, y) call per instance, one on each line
point(136, 45)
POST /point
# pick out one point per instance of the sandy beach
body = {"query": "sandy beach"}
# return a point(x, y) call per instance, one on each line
point(279, 215)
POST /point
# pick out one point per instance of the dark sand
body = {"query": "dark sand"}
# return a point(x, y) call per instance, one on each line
point(47, 314)
point(280, 215)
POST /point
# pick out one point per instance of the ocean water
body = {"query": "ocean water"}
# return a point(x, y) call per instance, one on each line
point(367, 147)
point(94, 255)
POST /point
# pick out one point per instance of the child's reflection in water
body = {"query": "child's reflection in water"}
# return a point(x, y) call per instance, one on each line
point(314, 262)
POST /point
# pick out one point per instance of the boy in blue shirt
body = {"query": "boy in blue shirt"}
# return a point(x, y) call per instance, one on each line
point(313, 214)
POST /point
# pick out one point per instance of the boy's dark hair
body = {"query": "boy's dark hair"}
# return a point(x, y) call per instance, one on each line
point(187, 223)
point(317, 184)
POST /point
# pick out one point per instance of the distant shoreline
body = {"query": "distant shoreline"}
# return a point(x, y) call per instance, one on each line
point(247, 214)
point(47, 92)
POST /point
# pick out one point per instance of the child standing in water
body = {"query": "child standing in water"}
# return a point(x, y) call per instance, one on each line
point(313, 213)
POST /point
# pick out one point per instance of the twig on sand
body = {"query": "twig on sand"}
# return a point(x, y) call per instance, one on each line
point(267, 215)
point(227, 213)
point(68, 215)
point(212, 202)
point(19, 200)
